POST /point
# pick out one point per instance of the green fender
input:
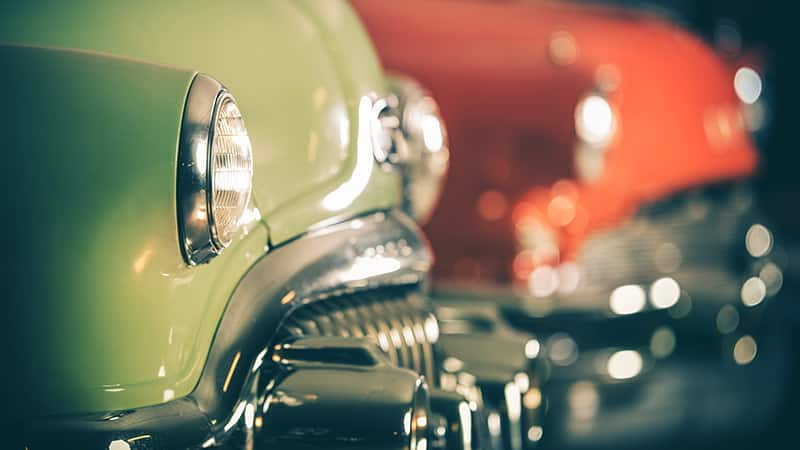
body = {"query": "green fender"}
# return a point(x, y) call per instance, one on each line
point(109, 315)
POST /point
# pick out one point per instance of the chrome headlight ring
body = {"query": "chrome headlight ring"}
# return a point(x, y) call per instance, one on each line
point(215, 171)
point(423, 156)
point(388, 141)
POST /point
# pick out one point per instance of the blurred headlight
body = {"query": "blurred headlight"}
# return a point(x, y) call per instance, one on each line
point(215, 171)
point(748, 85)
point(594, 120)
point(595, 125)
point(427, 155)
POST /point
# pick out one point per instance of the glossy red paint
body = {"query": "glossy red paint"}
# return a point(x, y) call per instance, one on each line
point(508, 77)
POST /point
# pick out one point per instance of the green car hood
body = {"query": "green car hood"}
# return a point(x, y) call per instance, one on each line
point(116, 320)
point(296, 68)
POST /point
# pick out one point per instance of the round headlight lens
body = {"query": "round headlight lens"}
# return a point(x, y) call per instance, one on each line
point(231, 171)
point(595, 126)
point(594, 120)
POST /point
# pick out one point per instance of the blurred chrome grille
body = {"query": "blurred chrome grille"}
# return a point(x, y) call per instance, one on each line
point(396, 319)
point(689, 232)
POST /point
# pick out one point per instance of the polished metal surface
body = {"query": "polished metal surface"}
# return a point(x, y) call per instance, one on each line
point(388, 144)
point(194, 169)
point(458, 426)
point(505, 364)
point(203, 234)
point(337, 392)
point(425, 162)
point(333, 262)
point(395, 319)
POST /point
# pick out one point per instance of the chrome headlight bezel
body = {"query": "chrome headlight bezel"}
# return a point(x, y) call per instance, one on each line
point(425, 154)
point(200, 236)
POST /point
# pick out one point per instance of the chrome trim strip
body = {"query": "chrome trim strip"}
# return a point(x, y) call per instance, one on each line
point(349, 257)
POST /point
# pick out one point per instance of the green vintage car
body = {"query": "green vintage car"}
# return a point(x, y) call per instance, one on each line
point(208, 233)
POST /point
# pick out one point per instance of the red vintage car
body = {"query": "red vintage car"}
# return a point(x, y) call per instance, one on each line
point(563, 119)
point(599, 163)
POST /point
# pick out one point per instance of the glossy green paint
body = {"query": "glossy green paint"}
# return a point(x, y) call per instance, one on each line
point(115, 317)
point(297, 70)
point(105, 305)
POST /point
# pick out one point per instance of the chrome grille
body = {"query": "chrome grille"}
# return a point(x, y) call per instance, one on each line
point(689, 232)
point(396, 319)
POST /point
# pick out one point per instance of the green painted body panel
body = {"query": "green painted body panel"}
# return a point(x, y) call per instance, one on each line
point(297, 70)
point(110, 310)
point(107, 314)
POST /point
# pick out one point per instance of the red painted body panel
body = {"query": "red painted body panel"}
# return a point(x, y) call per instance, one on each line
point(508, 77)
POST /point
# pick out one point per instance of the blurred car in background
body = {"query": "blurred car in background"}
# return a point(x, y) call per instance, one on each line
point(599, 193)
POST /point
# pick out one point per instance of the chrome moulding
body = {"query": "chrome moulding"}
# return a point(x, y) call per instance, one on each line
point(347, 260)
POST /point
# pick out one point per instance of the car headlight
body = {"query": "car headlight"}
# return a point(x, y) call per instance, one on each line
point(594, 120)
point(215, 171)
point(426, 158)
point(595, 126)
